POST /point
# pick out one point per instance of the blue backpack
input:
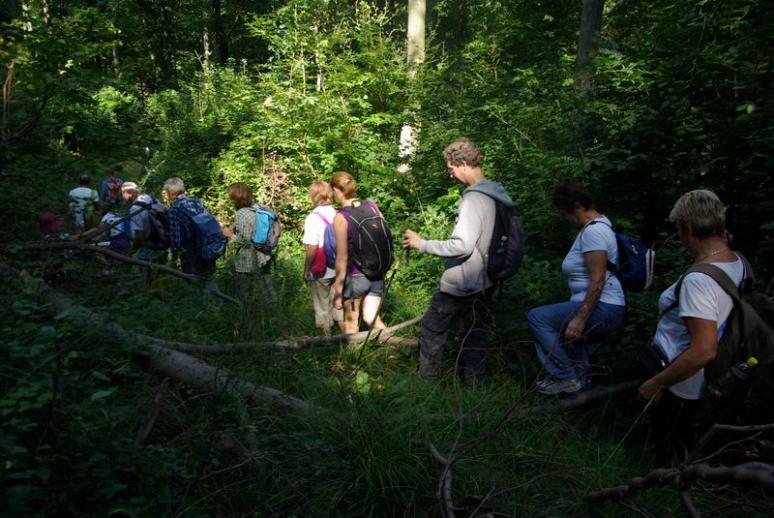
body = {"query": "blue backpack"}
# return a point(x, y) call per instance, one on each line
point(329, 245)
point(267, 230)
point(212, 242)
point(635, 261)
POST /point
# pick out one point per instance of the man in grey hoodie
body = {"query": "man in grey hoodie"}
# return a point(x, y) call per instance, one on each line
point(464, 293)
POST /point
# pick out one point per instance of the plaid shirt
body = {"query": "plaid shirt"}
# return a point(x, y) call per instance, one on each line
point(247, 258)
point(181, 227)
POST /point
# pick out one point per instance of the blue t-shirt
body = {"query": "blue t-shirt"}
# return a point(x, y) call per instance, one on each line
point(592, 238)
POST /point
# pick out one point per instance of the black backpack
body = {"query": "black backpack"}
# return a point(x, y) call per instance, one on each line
point(749, 333)
point(506, 249)
point(158, 216)
point(371, 239)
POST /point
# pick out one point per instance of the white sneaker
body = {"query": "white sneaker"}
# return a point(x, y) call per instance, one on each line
point(551, 386)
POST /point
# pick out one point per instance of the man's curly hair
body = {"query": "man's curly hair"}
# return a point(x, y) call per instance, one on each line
point(463, 150)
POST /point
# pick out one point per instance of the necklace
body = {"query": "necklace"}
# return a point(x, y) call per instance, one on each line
point(714, 252)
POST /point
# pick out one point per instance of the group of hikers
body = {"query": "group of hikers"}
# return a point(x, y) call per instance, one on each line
point(349, 250)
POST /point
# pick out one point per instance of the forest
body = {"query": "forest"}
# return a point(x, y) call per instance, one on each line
point(123, 394)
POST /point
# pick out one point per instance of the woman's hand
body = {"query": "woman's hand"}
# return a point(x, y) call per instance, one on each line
point(308, 276)
point(227, 231)
point(338, 299)
point(575, 327)
point(650, 390)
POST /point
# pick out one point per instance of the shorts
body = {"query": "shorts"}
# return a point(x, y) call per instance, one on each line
point(357, 286)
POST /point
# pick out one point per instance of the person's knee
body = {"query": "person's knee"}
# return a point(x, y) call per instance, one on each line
point(535, 316)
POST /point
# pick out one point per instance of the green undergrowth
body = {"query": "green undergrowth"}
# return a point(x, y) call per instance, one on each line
point(74, 401)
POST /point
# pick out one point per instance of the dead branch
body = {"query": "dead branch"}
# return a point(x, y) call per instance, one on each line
point(749, 474)
point(444, 491)
point(203, 376)
point(150, 420)
point(292, 344)
point(710, 434)
point(688, 505)
point(176, 365)
point(75, 245)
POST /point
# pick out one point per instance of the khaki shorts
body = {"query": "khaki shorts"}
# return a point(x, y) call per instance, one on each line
point(325, 315)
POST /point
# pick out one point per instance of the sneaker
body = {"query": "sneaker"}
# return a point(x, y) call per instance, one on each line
point(551, 386)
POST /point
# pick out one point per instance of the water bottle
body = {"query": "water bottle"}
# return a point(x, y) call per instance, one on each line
point(739, 372)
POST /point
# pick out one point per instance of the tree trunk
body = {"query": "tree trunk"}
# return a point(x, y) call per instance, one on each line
point(206, 49)
point(591, 23)
point(176, 365)
point(415, 53)
point(221, 38)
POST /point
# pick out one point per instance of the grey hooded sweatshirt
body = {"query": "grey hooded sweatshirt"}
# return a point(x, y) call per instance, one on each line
point(467, 248)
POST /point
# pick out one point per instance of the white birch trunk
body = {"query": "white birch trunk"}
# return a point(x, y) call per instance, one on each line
point(415, 56)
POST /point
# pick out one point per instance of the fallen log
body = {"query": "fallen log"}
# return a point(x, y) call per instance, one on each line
point(176, 365)
point(747, 474)
point(75, 245)
point(291, 344)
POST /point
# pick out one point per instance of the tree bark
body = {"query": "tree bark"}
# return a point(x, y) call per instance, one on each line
point(591, 23)
point(221, 38)
point(176, 365)
point(415, 56)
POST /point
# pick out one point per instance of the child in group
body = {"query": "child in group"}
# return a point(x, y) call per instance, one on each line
point(317, 274)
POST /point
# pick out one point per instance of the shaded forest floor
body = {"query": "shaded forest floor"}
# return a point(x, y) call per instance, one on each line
point(75, 404)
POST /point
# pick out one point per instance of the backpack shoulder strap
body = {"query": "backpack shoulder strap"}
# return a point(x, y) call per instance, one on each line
point(719, 276)
point(323, 218)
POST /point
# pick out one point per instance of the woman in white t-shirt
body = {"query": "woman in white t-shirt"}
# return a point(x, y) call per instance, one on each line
point(567, 333)
point(687, 333)
point(320, 284)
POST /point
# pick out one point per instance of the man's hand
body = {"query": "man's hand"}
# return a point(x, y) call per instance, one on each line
point(227, 231)
point(338, 300)
point(411, 239)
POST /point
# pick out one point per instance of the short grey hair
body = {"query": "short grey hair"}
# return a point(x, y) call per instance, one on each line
point(174, 185)
point(701, 212)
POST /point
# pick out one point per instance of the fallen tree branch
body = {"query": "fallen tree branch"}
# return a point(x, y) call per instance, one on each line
point(292, 344)
point(150, 420)
point(444, 491)
point(176, 365)
point(710, 434)
point(747, 474)
point(74, 245)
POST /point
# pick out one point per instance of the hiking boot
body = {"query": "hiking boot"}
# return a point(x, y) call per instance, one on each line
point(551, 386)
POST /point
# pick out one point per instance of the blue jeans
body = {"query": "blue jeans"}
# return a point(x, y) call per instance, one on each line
point(563, 360)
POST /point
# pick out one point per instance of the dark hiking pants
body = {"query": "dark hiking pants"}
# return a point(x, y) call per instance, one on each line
point(474, 316)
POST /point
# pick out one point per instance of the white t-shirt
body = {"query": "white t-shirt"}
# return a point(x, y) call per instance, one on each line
point(700, 297)
point(595, 237)
point(80, 198)
point(111, 217)
point(140, 217)
point(314, 230)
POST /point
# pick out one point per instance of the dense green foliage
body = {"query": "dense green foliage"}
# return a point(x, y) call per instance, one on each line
point(292, 91)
